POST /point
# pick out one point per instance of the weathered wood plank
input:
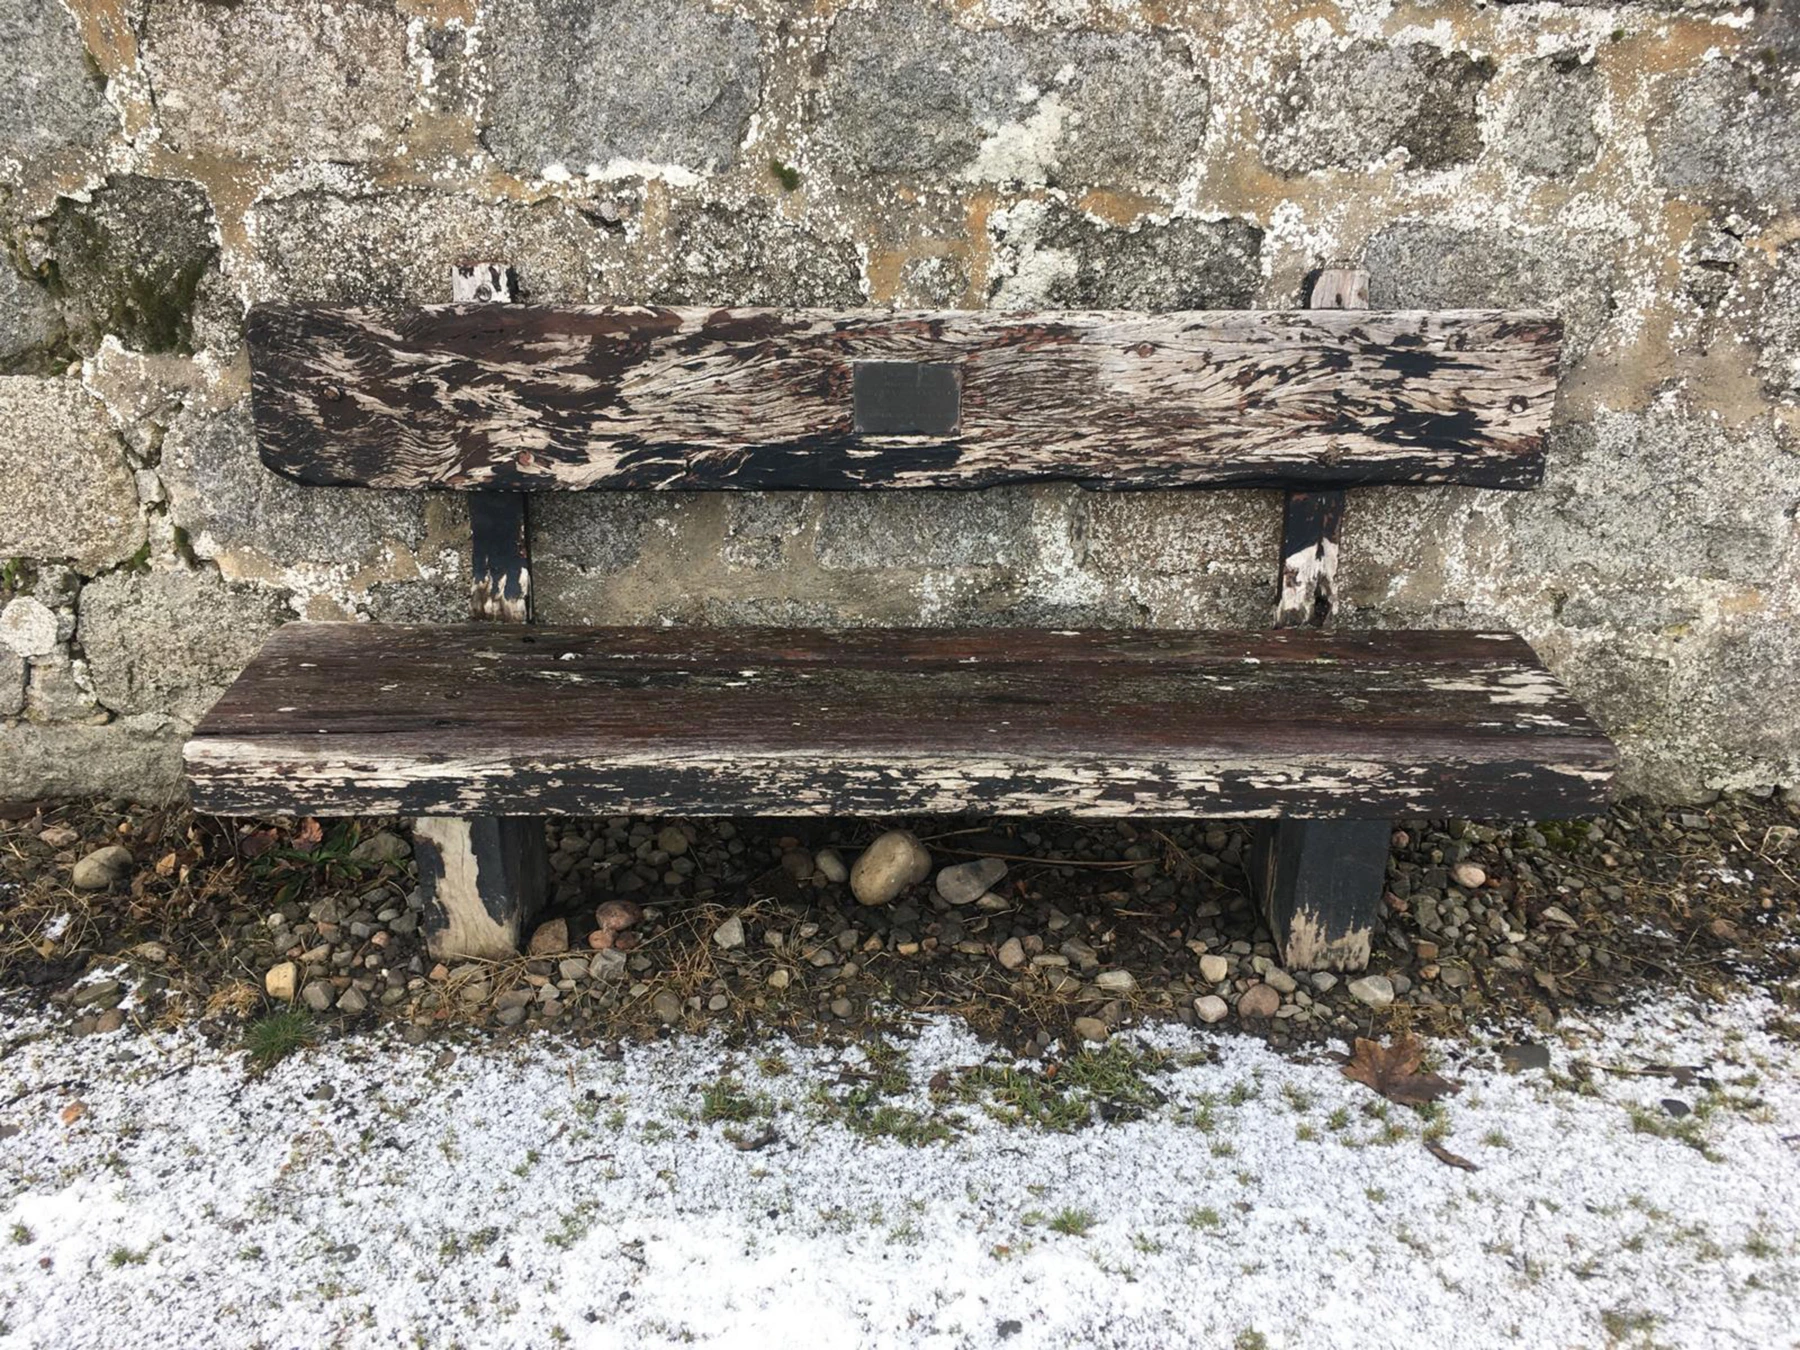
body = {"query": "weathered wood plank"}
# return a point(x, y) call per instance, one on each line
point(338, 718)
point(1320, 883)
point(532, 397)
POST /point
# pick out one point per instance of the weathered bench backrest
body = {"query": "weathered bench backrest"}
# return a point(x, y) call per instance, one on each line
point(529, 397)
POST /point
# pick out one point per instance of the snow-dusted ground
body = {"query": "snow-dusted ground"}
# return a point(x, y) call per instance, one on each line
point(536, 1194)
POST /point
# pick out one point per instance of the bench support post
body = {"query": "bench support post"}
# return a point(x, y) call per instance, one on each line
point(1320, 884)
point(1306, 584)
point(485, 877)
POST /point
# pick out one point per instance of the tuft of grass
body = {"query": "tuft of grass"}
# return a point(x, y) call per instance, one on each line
point(724, 1099)
point(1072, 1222)
point(1206, 1217)
point(1112, 1077)
point(126, 1256)
point(20, 1235)
point(271, 1039)
point(785, 174)
point(1689, 1129)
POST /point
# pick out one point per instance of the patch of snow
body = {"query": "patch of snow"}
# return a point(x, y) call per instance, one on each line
point(536, 1190)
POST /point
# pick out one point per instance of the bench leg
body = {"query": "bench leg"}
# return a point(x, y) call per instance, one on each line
point(484, 878)
point(1320, 883)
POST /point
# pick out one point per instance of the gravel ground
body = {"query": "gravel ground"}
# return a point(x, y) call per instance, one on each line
point(743, 926)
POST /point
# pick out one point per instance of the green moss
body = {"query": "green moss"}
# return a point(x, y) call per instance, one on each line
point(785, 174)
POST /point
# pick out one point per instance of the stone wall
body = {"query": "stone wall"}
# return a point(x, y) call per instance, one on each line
point(1634, 166)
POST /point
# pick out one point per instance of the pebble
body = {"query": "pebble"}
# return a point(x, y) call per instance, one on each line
point(1011, 954)
point(831, 866)
point(798, 864)
point(510, 1017)
point(1279, 980)
point(282, 981)
point(607, 965)
point(965, 883)
point(317, 995)
point(1116, 981)
point(1214, 968)
point(667, 1006)
point(1211, 1008)
point(1468, 876)
point(1375, 990)
point(549, 939)
point(888, 866)
point(729, 934)
point(1092, 1029)
point(110, 1020)
point(778, 979)
point(102, 868)
point(1324, 981)
point(672, 840)
point(573, 967)
point(842, 1007)
point(384, 846)
point(105, 992)
point(352, 1001)
point(614, 916)
point(1258, 1001)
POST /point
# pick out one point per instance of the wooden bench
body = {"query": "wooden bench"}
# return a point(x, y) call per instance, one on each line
point(482, 729)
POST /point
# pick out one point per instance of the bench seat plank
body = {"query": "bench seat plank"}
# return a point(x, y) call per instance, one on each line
point(483, 720)
point(535, 397)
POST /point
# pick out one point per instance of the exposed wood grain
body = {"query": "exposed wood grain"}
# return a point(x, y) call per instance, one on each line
point(340, 718)
point(1320, 883)
point(1340, 287)
point(531, 397)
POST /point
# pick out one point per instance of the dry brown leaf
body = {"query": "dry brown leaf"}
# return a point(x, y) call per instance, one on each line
point(1393, 1071)
point(1444, 1155)
point(256, 844)
point(165, 865)
point(309, 836)
point(73, 1112)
